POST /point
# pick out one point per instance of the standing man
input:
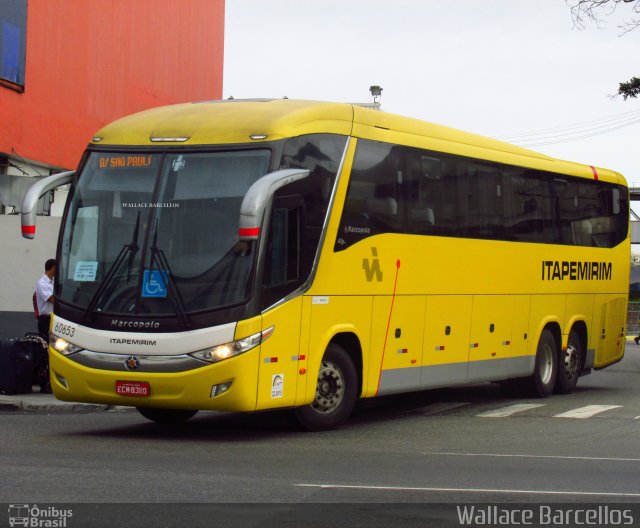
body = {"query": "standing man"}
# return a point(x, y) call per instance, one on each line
point(44, 298)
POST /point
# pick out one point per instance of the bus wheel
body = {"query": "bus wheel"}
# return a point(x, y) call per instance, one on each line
point(569, 365)
point(166, 416)
point(543, 379)
point(336, 392)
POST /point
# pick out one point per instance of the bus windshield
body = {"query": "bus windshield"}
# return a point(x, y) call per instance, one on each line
point(158, 233)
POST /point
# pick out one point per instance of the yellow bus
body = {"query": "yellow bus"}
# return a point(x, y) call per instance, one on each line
point(251, 255)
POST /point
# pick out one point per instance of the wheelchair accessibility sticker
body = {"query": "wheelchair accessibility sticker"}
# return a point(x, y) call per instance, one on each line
point(154, 284)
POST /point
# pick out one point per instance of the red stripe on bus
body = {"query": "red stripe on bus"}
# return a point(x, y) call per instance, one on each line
point(595, 172)
point(386, 335)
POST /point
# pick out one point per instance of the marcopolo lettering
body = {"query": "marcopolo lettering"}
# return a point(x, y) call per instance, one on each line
point(148, 342)
point(119, 323)
point(575, 270)
point(357, 230)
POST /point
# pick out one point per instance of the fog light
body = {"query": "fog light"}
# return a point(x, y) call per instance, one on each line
point(220, 388)
point(62, 381)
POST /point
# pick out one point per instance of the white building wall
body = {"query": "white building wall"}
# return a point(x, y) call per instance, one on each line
point(22, 261)
point(635, 232)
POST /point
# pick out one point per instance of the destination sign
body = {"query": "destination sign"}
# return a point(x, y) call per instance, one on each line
point(123, 162)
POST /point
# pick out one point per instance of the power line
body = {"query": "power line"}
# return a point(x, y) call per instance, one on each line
point(575, 131)
point(575, 126)
point(592, 133)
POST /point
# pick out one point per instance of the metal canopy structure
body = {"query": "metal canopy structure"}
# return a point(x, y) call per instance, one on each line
point(634, 196)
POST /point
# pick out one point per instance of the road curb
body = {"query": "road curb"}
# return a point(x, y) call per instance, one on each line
point(29, 403)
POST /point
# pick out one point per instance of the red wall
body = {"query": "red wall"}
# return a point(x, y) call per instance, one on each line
point(90, 62)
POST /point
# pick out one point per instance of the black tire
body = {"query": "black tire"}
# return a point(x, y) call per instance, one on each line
point(543, 380)
point(570, 363)
point(166, 416)
point(336, 392)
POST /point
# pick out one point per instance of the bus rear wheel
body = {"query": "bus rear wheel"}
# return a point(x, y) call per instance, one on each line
point(336, 392)
point(543, 380)
point(569, 364)
point(166, 416)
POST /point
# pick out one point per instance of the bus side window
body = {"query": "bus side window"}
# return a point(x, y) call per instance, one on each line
point(423, 175)
point(374, 203)
point(531, 217)
point(596, 223)
point(480, 186)
point(281, 274)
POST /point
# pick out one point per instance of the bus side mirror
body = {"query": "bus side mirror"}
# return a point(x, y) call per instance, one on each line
point(259, 196)
point(30, 200)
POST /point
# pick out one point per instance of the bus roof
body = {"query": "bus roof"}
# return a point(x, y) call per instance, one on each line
point(240, 121)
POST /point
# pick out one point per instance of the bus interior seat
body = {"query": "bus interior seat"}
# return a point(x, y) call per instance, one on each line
point(422, 217)
point(382, 206)
point(595, 231)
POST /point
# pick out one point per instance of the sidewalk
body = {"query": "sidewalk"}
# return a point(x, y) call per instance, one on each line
point(39, 402)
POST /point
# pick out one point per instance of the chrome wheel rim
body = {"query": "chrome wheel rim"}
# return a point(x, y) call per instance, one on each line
point(546, 364)
point(571, 362)
point(330, 388)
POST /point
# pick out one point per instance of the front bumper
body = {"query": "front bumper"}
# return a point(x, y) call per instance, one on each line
point(169, 390)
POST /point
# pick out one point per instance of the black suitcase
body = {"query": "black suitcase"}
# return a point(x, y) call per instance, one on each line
point(40, 352)
point(16, 366)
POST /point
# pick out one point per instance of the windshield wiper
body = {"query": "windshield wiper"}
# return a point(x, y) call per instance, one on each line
point(128, 249)
point(158, 256)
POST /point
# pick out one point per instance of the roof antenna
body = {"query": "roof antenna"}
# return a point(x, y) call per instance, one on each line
point(376, 93)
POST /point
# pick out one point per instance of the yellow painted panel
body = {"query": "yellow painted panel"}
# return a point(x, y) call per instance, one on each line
point(578, 308)
point(491, 327)
point(169, 390)
point(279, 356)
point(545, 309)
point(401, 328)
point(616, 334)
point(434, 265)
point(598, 334)
point(611, 328)
point(248, 327)
point(224, 122)
point(447, 327)
point(522, 343)
point(332, 315)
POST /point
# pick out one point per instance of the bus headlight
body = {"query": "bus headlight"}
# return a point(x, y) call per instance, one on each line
point(221, 352)
point(62, 345)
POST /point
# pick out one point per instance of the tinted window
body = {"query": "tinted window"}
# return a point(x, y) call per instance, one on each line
point(530, 206)
point(591, 214)
point(432, 197)
point(374, 203)
point(480, 185)
point(400, 189)
point(299, 212)
point(13, 24)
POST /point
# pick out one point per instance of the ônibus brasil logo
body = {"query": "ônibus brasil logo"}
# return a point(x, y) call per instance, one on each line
point(36, 517)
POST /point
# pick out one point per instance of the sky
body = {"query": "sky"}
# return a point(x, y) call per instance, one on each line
point(500, 68)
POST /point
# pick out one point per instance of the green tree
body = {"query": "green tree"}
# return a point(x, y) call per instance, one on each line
point(585, 12)
point(630, 89)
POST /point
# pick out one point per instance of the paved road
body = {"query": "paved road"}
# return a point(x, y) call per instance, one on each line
point(456, 445)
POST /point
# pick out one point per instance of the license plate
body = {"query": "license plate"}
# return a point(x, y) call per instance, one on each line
point(138, 389)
